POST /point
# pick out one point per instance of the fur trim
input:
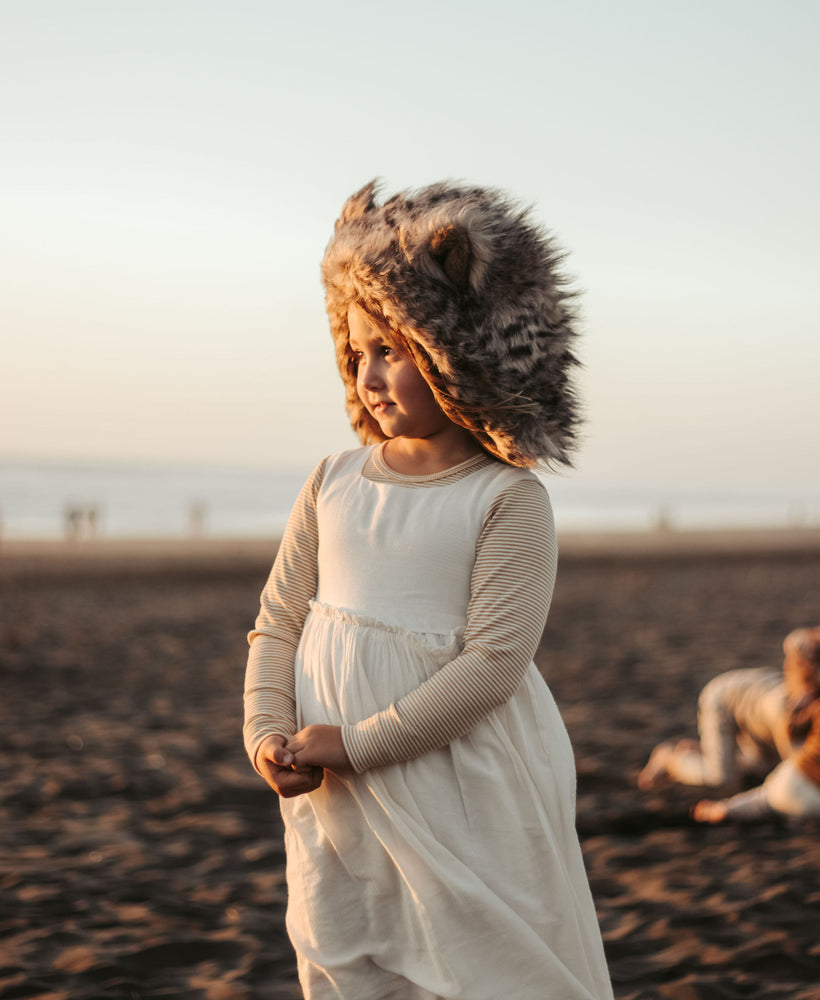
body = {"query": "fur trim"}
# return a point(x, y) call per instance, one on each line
point(472, 286)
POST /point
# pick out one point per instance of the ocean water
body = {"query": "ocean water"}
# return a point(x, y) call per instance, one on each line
point(167, 501)
point(143, 501)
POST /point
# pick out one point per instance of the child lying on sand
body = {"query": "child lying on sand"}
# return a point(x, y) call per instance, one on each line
point(748, 720)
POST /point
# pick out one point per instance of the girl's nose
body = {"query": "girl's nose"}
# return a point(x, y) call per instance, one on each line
point(371, 376)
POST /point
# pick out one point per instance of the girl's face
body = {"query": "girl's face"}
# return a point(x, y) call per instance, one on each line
point(389, 384)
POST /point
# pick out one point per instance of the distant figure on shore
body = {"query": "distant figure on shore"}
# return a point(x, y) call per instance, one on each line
point(92, 519)
point(81, 521)
point(753, 724)
point(196, 520)
point(663, 519)
point(73, 519)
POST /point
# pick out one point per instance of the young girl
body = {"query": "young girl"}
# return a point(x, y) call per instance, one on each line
point(427, 782)
point(793, 787)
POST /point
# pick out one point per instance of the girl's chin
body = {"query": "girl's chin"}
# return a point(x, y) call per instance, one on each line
point(388, 426)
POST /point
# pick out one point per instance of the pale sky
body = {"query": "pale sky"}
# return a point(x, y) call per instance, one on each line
point(171, 170)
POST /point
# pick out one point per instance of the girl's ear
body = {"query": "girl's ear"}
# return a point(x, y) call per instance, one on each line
point(358, 204)
point(451, 249)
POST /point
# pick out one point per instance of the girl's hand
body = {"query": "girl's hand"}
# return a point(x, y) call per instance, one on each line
point(319, 746)
point(280, 770)
point(707, 811)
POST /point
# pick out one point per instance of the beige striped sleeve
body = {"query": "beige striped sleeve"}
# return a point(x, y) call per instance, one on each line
point(270, 701)
point(511, 589)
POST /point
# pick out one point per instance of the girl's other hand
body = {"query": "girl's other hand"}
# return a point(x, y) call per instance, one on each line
point(280, 770)
point(319, 746)
point(707, 811)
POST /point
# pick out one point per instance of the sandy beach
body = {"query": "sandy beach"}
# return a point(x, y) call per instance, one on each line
point(142, 857)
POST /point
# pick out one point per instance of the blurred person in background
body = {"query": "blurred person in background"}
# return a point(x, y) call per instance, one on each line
point(754, 724)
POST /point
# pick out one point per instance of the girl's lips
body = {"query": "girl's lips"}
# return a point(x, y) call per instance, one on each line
point(381, 407)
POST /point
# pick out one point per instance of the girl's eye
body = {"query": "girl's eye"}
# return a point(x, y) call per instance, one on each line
point(358, 357)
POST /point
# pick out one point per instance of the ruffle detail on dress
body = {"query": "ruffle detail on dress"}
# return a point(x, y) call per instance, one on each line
point(443, 647)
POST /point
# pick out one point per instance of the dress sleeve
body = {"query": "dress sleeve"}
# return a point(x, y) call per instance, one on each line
point(750, 805)
point(511, 590)
point(270, 701)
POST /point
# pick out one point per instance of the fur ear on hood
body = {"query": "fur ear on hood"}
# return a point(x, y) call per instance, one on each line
point(450, 247)
point(473, 287)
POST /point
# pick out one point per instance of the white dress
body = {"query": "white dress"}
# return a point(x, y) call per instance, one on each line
point(458, 873)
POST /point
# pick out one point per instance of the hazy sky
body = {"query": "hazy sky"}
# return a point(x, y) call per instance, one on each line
point(171, 169)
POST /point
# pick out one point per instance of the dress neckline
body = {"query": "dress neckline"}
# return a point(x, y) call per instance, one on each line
point(376, 457)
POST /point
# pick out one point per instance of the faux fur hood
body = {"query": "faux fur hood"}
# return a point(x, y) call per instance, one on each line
point(473, 288)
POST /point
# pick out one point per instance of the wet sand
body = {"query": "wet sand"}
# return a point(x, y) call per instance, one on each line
point(141, 856)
